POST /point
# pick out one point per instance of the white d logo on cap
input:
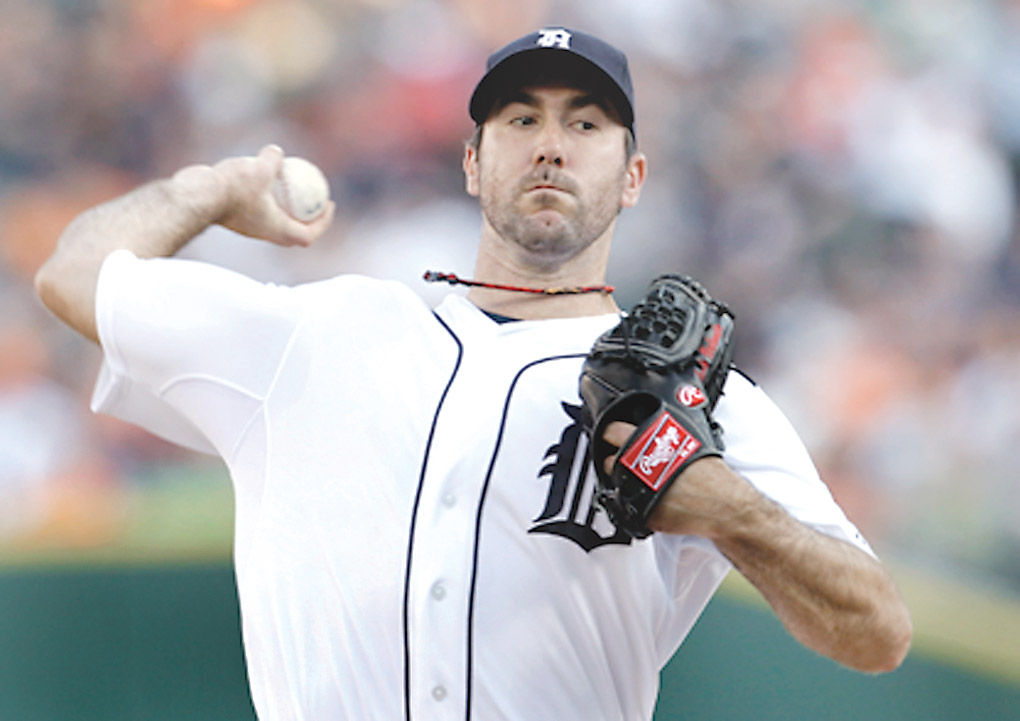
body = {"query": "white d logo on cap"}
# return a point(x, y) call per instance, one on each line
point(557, 37)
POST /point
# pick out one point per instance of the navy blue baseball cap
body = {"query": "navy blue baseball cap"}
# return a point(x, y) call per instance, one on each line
point(512, 66)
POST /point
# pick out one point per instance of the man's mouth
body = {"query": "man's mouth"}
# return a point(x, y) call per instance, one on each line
point(548, 179)
point(546, 186)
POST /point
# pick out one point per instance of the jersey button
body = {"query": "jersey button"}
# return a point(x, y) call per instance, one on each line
point(438, 591)
point(439, 693)
point(449, 500)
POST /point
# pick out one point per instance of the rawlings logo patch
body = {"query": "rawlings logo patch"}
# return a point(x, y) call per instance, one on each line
point(691, 396)
point(659, 451)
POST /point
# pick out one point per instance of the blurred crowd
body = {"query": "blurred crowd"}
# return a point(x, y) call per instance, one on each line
point(844, 175)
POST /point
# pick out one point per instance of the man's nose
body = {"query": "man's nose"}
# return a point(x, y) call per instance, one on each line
point(549, 146)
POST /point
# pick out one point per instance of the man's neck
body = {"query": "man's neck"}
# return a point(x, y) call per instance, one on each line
point(532, 306)
point(497, 263)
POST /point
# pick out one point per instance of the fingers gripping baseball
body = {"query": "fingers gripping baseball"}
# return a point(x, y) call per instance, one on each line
point(253, 206)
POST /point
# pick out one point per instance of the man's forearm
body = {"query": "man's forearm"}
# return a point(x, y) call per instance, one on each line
point(833, 597)
point(154, 220)
point(157, 219)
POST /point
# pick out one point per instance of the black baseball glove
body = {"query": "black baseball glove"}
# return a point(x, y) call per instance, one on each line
point(661, 369)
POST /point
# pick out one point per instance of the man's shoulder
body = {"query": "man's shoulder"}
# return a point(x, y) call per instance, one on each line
point(359, 286)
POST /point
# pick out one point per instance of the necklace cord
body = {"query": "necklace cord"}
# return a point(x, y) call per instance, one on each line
point(432, 276)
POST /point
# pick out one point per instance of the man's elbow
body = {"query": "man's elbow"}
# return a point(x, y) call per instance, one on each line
point(46, 286)
point(69, 295)
point(898, 646)
point(886, 648)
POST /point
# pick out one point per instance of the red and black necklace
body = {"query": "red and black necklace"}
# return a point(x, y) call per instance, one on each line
point(432, 276)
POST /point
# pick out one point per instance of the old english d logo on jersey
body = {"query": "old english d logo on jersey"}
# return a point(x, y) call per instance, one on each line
point(659, 451)
point(570, 510)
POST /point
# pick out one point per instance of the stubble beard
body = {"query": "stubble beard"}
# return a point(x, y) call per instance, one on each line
point(548, 230)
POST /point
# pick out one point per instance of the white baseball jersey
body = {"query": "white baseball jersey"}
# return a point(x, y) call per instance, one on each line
point(415, 535)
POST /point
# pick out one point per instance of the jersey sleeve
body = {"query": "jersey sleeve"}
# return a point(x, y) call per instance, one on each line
point(190, 349)
point(763, 446)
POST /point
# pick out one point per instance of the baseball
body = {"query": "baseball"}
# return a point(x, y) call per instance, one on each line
point(301, 189)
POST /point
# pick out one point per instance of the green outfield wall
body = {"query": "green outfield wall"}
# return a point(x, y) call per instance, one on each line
point(162, 642)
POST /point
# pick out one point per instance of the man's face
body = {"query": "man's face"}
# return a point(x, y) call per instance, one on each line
point(551, 172)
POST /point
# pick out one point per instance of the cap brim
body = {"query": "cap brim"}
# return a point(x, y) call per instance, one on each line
point(528, 66)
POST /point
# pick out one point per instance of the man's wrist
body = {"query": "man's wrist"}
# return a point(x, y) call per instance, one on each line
point(203, 191)
point(708, 499)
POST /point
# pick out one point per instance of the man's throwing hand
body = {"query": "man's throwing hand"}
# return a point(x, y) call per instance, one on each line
point(244, 187)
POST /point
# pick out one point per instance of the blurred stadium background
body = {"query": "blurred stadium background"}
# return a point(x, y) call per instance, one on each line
point(844, 174)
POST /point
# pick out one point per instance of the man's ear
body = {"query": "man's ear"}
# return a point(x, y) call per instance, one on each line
point(470, 165)
point(637, 170)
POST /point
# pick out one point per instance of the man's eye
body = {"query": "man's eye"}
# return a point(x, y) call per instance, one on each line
point(523, 120)
point(584, 125)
